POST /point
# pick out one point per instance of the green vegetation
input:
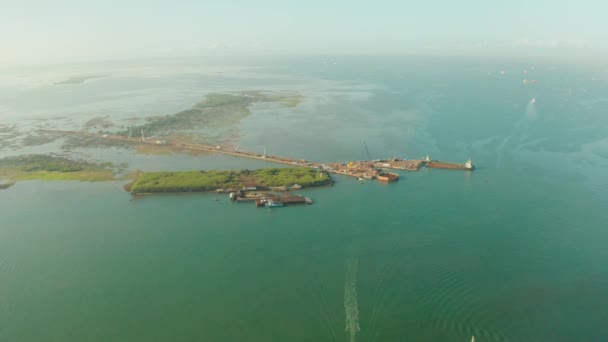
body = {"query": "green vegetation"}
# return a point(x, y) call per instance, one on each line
point(215, 111)
point(52, 167)
point(192, 181)
point(4, 186)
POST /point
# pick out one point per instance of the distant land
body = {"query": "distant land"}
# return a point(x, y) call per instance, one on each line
point(80, 79)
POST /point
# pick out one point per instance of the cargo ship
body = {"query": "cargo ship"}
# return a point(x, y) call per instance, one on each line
point(387, 177)
point(453, 166)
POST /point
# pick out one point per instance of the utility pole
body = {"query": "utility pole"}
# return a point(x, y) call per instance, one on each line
point(142, 135)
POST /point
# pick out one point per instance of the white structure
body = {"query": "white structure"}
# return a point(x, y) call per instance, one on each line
point(427, 159)
point(469, 164)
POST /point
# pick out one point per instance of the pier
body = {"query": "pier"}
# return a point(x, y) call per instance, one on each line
point(365, 169)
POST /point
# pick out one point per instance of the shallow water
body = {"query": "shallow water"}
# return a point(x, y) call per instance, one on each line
point(513, 251)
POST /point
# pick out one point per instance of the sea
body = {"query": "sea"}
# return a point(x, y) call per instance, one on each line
point(513, 251)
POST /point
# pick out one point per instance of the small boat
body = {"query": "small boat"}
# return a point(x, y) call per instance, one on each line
point(273, 204)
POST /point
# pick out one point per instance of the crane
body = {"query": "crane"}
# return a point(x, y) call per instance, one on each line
point(369, 157)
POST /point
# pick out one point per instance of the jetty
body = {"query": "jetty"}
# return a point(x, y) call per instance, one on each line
point(365, 169)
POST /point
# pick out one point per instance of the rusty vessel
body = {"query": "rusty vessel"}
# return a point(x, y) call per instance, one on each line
point(452, 166)
point(387, 177)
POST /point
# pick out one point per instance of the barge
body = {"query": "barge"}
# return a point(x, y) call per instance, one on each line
point(279, 201)
point(468, 165)
point(387, 177)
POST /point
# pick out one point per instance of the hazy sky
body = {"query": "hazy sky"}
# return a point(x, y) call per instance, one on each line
point(64, 30)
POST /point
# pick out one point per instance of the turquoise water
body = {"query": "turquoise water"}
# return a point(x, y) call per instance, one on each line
point(514, 251)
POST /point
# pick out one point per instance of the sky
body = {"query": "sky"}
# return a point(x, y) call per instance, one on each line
point(63, 31)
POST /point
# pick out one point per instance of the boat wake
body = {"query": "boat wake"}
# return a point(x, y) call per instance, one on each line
point(518, 137)
point(531, 114)
point(350, 298)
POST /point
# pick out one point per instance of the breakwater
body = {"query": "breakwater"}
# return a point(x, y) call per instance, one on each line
point(366, 169)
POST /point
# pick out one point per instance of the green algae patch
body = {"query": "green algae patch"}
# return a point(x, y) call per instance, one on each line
point(200, 181)
point(52, 167)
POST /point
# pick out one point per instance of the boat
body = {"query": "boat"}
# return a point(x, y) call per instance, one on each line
point(468, 165)
point(387, 177)
point(260, 202)
point(274, 204)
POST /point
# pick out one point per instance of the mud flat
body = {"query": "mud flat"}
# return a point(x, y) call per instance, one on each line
point(217, 110)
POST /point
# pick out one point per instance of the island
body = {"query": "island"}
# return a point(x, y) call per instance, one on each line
point(229, 181)
point(54, 167)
